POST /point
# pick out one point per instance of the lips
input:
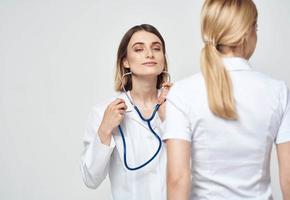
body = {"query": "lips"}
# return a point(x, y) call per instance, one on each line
point(150, 63)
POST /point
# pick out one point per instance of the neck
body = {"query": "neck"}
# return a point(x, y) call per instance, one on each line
point(234, 52)
point(144, 91)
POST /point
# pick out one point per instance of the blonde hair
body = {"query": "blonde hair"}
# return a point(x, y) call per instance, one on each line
point(122, 53)
point(225, 23)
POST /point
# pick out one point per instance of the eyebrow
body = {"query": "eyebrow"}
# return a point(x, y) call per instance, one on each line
point(142, 43)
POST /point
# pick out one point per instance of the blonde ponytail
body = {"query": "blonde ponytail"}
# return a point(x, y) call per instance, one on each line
point(225, 24)
point(218, 84)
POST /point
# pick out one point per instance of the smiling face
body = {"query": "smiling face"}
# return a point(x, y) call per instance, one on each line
point(145, 56)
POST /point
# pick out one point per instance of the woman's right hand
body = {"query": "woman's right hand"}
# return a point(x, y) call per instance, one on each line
point(113, 116)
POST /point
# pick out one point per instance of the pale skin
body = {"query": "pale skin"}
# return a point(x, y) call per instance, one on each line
point(283, 154)
point(145, 59)
point(178, 167)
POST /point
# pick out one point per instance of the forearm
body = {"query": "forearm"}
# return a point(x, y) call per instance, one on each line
point(95, 163)
point(105, 135)
point(283, 154)
point(178, 169)
point(178, 188)
point(285, 187)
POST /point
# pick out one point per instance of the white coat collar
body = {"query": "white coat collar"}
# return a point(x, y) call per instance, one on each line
point(123, 96)
point(236, 64)
point(134, 115)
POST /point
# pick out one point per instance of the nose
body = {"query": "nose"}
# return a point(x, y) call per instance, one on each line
point(149, 53)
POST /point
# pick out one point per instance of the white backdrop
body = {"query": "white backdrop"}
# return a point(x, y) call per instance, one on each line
point(57, 60)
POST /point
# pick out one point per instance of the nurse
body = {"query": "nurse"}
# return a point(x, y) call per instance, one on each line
point(141, 52)
point(226, 119)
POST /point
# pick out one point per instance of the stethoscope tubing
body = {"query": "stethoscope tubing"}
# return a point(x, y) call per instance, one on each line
point(152, 131)
point(148, 121)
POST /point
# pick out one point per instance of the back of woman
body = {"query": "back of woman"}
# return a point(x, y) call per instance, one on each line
point(231, 158)
point(226, 118)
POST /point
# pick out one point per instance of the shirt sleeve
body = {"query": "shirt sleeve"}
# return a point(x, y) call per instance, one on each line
point(95, 158)
point(283, 134)
point(177, 123)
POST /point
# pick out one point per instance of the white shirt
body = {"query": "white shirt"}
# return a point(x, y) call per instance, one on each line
point(98, 160)
point(230, 159)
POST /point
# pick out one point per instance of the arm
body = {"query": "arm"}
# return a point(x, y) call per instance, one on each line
point(98, 144)
point(162, 98)
point(178, 169)
point(283, 142)
point(95, 155)
point(113, 116)
point(283, 153)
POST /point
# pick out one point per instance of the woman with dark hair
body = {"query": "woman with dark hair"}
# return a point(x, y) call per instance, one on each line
point(117, 140)
point(221, 123)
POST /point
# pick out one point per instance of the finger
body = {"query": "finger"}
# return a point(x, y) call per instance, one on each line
point(161, 100)
point(116, 102)
point(118, 113)
point(122, 112)
point(122, 106)
point(166, 85)
point(164, 92)
point(121, 116)
point(125, 107)
point(162, 96)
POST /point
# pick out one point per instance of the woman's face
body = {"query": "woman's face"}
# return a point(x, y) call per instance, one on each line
point(145, 56)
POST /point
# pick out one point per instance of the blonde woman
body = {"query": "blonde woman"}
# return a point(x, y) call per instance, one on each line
point(221, 124)
point(117, 141)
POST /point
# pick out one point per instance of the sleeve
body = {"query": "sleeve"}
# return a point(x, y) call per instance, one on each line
point(283, 134)
point(177, 120)
point(95, 158)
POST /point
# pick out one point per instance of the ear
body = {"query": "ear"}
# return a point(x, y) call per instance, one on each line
point(126, 64)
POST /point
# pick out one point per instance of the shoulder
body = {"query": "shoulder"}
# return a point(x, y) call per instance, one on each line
point(264, 77)
point(189, 81)
point(184, 91)
point(184, 86)
point(275, 85)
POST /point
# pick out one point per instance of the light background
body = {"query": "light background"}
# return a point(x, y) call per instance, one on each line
point(57, 60)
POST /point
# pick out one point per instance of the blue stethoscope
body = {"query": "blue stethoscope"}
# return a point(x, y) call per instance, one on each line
point(148, 121)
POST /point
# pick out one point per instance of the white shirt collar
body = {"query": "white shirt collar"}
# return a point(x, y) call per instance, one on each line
point(236, 64)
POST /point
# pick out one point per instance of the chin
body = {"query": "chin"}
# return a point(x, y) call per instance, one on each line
point(151, 75)
point(149, 72)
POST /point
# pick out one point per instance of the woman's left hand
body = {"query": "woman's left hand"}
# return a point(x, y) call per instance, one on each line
point(161, 99)
point(164, 91)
